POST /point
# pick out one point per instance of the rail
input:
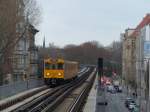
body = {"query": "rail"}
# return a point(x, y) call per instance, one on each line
point(77, 104)
point(51, 99)
point(48, 99)
point(52, 106)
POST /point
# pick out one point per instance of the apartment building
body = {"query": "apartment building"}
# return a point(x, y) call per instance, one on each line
point(142, 35)
point(128, 59)
point(25, 56)
point(20, 57)
point(136, 64)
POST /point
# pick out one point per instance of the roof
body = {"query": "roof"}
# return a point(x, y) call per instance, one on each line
point(144, 22)
point(33, 29)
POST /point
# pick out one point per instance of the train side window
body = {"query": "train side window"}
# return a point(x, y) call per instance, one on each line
point(60, 66)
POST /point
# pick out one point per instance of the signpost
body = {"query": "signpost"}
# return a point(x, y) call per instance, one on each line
point(147, 49)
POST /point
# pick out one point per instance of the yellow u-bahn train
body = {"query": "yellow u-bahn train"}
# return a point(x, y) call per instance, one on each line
point(57, 71)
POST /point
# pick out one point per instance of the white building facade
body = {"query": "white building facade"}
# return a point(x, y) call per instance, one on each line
point(142, 65)
point(25, 56)
point(136, 62)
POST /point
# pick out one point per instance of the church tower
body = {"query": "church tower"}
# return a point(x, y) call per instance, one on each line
point(44, 43)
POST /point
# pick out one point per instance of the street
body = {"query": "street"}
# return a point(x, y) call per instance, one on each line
point(115, 102)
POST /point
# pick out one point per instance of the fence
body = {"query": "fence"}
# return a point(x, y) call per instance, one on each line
point(20, 86)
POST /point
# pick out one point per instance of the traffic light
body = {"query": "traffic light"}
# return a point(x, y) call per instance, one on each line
point(100, 68)
point(100, 63)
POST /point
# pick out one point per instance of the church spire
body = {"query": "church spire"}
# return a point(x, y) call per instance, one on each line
point(44, 42)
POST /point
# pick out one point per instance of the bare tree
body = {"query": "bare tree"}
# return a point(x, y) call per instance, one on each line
point(32, 11)
point(86, 53)
point(14, 21)
point(15, 18)
point(8, 21)
point(116, 51)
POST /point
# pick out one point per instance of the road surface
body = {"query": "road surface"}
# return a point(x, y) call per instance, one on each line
point(115, 102)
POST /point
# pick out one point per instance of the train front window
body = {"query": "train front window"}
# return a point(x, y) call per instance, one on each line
point(60, 66)
point(47, 66)
point(53, 66)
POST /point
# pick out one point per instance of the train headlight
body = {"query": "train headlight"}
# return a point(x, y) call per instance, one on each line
point(59, 74)
point(48, 74)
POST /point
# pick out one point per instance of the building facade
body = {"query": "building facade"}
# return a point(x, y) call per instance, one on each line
point(142, 62)
point(20, 53)
point(25, 56)
point(136, 64)
point(128, 60)
point(12, 20)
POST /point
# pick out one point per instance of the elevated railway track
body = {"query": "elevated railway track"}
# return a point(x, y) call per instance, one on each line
point(51, 98)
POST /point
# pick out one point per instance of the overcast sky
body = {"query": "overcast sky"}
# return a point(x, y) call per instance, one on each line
point(76, 21)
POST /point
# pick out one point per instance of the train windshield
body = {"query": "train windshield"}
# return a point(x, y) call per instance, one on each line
point(60, 66)
point(47, 66)
point(53, 67)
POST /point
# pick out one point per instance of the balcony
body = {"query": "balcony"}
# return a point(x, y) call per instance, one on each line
point(33, 48)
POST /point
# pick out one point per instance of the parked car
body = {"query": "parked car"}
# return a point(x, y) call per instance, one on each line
point(135, 109)
point(105, 103)
point(131, 105)
point(120, 89)
point(128, 101)
point(111, 89)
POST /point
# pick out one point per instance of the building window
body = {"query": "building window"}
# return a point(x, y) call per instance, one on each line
point(133, 44)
